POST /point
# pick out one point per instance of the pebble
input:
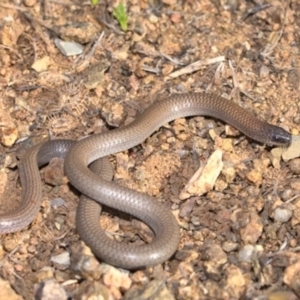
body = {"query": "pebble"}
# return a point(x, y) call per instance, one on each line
point(264, 72)
point(186, 255)
point(30, 3)
point(293, 150)
point(271, 231)
point(296, 217)
point(282, 214)
point(42, 64)
point(44, 274)
point(53, 173)
point(229, 174)
point(229, 246)
point(117, 278)
point(282, 295)
point(247, 224)
point(10, 242)
point(227, 145)
point(61, 261)
point(169, 2)
point(245, 254)
point(1, 252)
point(291, 277)
point(80, 32)
point(287, 194)
point(57, 202)
point(6, 292)
point(187, 207)
point(49, 290)
point(204, 179)
point(84, 263)
point(139, 277)
point(155, 289)
point(93, 290)
point(214, 258)
point(9, 135)
point(255, 177)
point(294, 165)
point(295, 184)
point(235, 281)
point(68, 48)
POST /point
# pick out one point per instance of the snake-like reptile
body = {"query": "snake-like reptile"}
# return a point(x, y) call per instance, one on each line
point(79, 155)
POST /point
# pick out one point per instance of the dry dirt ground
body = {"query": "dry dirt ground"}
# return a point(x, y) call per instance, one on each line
point(240, 239)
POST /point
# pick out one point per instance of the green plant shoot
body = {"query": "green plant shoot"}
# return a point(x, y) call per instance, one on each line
point(120, 14)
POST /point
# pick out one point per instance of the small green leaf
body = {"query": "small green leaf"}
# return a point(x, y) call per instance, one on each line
point(94, 2)
point(120, 14)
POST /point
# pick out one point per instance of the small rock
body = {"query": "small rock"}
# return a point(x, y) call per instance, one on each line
point(229, 174)
point(139, 277)
point(81, 33)
point(113, 113)
point(10, 242)
point(1, 252)
point(175, 17)
point(248, 224)
point(93, 76)
point(296, 217)
point(44, 274)
point(155, 289)
point(9, 135)
point(167, 69)
point(61, 261)
point(54, 173)
point(169, 2)
point(41, 64)
point(186, 255)
point(121, 55)
point(68, 48)
point(264, 71)
point(287, 194)
point(6, 292)
point(30, 3)
point(187, 207)
point(282, 214)
point(294, 165)
point(291, 277)
point(3, 182)
point(84, 263)
point(293, 150)
point(255, 177)
point(109, 224)
point(214, 258)
point(199, 143)
point(49, 290)
point(245, 254)
point(235, 281)
point(92, 290)
point(10, 32)
point(116, 278)
point(204, 179)
point(227, 145)
point(295, 184)
point(31, 249)
point(282, 295)
point(271, 230)
point(57, 202)
point(220, 185)
point(229, 246)
point(284, 259)
point(153, 19)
